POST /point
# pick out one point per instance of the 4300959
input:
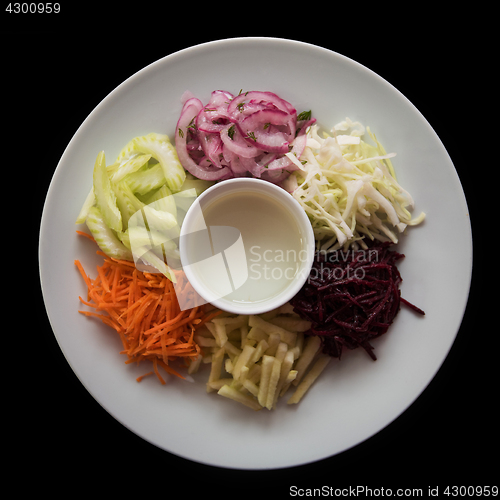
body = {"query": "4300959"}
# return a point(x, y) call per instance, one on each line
point(33, 8)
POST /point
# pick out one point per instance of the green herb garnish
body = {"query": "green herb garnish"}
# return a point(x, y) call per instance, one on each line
point(305, 115)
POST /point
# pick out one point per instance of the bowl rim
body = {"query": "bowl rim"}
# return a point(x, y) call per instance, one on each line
point(227, 187)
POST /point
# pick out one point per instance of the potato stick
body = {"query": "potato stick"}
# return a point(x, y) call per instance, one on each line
point(231, 324)
point(267, 366)
point(286, 309)
point(211, 328)
point(243, 374)
point(260, 356)
point(257, 334)
point(232, 393)
point(286, 366)
point(269, 315)
point(251, 387)
point(243, 359)
point(194, 366)
point(281, 350)
point(217, 384)
point(273, 382)
point(273, 341)
point(312, 346)
point(236, 384)
point(309, 379)
point(254, 373)
point(215, 369)
point(300, 343)
point(231, 348)
point(286, 336)
point(291, 324)
point(251, 342)
point(232, 357)
point(296, 352)
point(243, 333)
point(232, 320)
point(205, 341)
point(259, 351)
point(203, 331)
point(220, 333)
point(288, 381)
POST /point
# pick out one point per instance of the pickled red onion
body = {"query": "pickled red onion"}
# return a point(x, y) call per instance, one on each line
point(251, 134)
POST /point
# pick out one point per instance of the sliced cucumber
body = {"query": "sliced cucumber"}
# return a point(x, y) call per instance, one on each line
point(128, 203)
point(105, 237)
point(162, 150)
point(89, 202)
point(163, 200)
point(105, 196)
point(130, 166)
point(145, 181)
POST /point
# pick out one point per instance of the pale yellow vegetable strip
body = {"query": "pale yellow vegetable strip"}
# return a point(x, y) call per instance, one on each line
point(311, 348)
point(254, 373)
point(251, 387)
point(286, 336)
point(281, 351)
point(267, 366)
point(246, 399)
point(216, 367)
point(286, 366)
point(231, 348)
point(309, 379)
point(291, 324)
point(289, 379)
point(274, 340)
point(243, 359)
point(217, 384)
point(260, 359)
point(259, 351)
point(273, 383)
point(257, 334)
point(220, 334)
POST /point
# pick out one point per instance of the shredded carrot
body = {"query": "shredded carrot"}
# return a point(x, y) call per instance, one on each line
point(139, 379)
point(143, 308)
point(87, 235)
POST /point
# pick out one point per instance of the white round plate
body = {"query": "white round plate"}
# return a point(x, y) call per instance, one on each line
point(356, 395)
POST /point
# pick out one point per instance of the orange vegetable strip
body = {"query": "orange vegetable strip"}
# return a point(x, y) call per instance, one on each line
point(103, 318)
point(155, 368)
point(169, 369)
point(143, 376)
point(104, 279)
point(143, 308)
point(82, 272)
point(209, 317)
point(87, 235)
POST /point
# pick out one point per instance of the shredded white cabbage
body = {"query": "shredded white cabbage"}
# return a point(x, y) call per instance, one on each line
point(349, 189)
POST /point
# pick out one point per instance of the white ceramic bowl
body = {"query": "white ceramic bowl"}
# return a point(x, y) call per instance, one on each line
point(233, 270)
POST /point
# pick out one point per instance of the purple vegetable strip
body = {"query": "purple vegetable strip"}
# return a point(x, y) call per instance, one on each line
point(246, 135)
point(351, 301)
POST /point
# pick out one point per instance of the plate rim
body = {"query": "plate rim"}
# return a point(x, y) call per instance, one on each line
point(44, 222)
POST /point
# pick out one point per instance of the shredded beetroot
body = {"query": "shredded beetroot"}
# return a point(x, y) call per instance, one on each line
point(352, 297)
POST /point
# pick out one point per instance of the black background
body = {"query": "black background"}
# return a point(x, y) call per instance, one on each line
point(56, 69)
